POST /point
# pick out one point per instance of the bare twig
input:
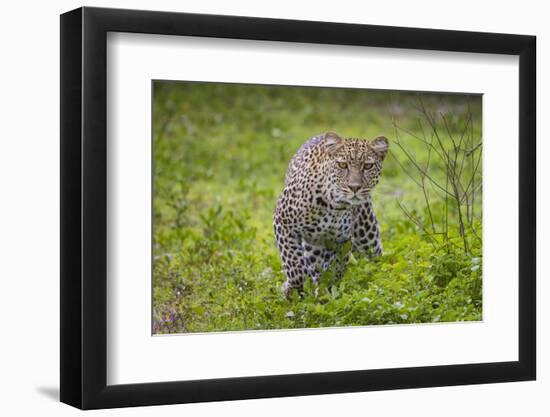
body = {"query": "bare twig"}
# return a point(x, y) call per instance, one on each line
point(455, 154)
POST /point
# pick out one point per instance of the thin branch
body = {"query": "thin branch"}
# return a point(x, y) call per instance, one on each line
point(419, 168)
point(415, 221)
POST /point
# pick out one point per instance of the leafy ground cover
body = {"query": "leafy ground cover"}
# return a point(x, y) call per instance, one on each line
point(220, 154)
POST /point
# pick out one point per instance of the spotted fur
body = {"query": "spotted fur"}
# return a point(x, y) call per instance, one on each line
point(326, 202)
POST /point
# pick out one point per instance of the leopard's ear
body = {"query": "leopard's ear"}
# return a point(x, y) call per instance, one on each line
point(380, 146)
point(332, 142)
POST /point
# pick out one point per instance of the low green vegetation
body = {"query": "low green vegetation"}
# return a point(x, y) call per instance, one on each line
point(220, 155)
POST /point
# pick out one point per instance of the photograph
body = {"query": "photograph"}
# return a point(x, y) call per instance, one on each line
point(264, 206)
point(295, 207)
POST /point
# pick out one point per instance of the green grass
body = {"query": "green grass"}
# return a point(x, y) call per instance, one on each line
point(220, 155)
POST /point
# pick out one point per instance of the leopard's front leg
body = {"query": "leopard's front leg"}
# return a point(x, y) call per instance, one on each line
point(319, 259)
point(366, 232)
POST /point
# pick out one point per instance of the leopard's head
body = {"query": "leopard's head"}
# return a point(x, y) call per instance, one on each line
point(353, 167)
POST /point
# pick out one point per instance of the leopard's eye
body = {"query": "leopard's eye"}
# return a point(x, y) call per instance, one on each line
point(368, 166)
point(342, 165)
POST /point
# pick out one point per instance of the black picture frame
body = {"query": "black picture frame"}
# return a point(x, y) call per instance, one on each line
point(84, 207)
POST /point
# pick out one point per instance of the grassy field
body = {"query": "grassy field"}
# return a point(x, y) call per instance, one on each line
point(220, 155)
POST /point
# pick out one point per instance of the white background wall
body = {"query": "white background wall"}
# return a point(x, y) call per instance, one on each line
point(29, 208)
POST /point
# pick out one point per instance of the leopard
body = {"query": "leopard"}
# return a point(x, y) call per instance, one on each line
point(326, 203)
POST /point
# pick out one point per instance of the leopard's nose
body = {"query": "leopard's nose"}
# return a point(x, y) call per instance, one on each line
point(354, 188)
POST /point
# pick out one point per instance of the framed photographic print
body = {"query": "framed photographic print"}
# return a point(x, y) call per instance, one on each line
point(257, 208)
